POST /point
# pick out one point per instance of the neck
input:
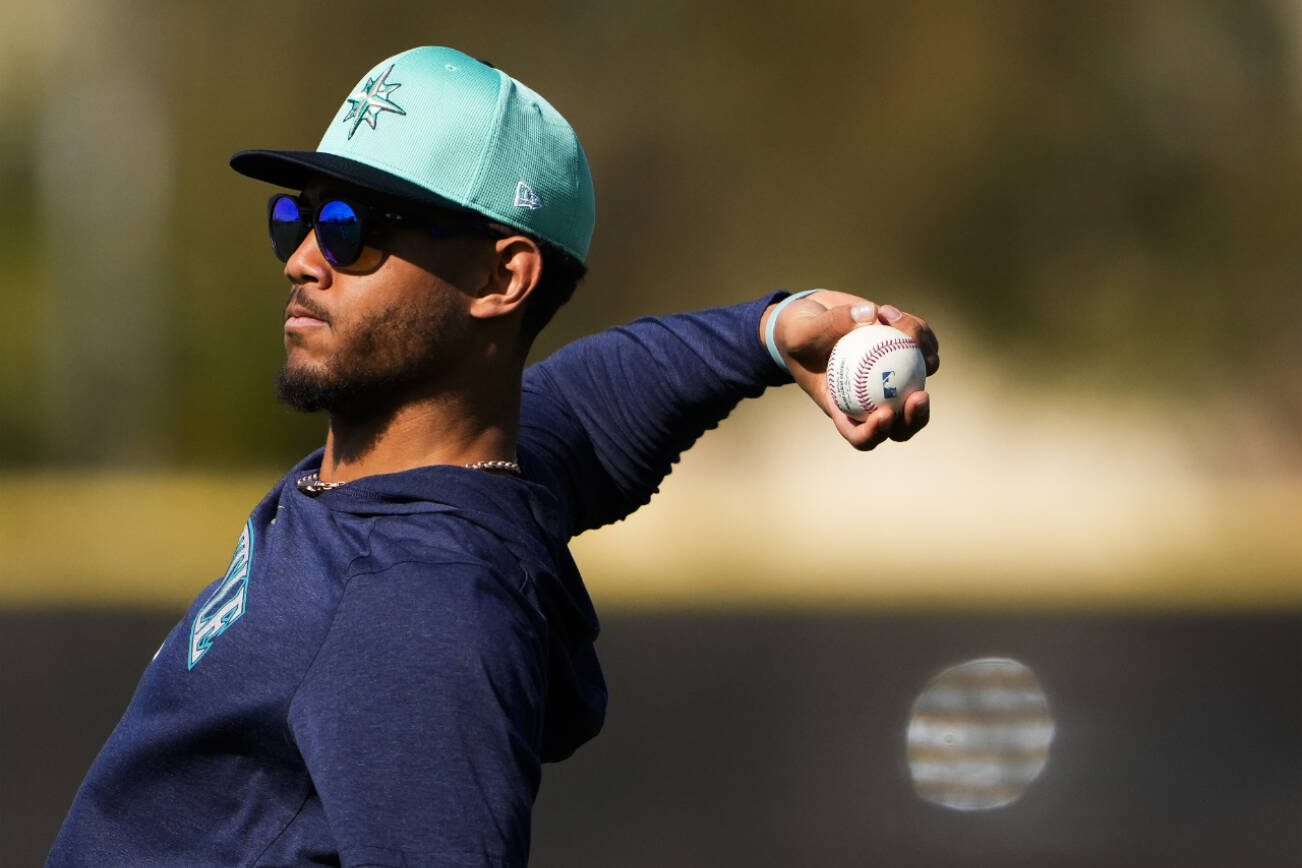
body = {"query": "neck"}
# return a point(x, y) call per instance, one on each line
point(450, 427)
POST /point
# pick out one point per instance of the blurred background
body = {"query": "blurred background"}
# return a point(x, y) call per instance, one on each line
point(1096, 205)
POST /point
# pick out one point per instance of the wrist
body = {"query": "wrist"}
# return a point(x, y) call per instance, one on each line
point(770, 324)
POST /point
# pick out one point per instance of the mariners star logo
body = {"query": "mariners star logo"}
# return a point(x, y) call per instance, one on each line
point(364, 107)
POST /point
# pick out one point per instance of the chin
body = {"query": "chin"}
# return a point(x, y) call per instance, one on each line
point(305, 386)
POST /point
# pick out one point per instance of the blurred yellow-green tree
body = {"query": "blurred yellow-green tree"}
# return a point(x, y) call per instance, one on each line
point(1100, 191)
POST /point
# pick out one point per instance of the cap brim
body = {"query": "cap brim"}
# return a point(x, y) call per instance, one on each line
point(295, 169)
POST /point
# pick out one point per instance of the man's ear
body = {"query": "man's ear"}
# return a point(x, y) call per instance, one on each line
point(514, 274)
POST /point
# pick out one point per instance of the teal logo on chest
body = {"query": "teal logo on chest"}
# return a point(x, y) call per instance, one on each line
point(227, 603)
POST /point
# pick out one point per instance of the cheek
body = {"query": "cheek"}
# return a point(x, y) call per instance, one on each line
point(404, 333)
point(457, 264)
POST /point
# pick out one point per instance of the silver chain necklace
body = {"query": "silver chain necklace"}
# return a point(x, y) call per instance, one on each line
point(312, 483)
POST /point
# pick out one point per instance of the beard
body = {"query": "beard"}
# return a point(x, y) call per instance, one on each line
point(383, 359)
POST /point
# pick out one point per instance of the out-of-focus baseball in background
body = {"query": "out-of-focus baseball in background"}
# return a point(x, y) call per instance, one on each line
point(1097, 206)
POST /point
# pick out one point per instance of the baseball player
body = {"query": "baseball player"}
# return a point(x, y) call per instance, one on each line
point(402, 638)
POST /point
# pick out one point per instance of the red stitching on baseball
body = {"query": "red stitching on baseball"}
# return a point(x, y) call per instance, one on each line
point(865, 366)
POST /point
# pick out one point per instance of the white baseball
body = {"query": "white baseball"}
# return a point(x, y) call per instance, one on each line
point(874, 366)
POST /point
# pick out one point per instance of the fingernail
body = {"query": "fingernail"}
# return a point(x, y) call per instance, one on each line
point(891, 312)
point(866, 312)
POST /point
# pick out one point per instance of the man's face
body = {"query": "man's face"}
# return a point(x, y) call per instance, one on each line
point(388, 328)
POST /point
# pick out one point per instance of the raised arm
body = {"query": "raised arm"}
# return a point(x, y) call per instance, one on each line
point(607, 415)
point(604, 419)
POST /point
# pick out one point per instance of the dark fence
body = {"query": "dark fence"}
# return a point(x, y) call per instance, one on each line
point(776, 740)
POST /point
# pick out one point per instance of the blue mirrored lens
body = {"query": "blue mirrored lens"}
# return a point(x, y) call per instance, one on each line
point(288, 229)
point(340, 232)
point(284, 210)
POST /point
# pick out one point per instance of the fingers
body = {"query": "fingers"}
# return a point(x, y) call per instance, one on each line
point(915, 327)
point(865, 435)
point(916, 415)
point(884, 423)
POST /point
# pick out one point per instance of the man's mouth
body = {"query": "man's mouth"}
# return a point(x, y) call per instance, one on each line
point(301, 315)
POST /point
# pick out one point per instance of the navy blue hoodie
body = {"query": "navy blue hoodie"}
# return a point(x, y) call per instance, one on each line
point(383, 668)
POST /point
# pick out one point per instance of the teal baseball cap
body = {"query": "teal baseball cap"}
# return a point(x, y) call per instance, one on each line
point(438, 128)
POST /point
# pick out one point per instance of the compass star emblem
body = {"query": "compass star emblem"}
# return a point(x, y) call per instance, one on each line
point(365, 105)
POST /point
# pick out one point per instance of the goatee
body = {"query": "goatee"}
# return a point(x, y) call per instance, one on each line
point(386, 358)
point(357, 395)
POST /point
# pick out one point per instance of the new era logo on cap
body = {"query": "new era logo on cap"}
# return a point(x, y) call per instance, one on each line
point(525, 197)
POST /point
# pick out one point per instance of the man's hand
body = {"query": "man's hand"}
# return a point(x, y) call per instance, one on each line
point(807, 330)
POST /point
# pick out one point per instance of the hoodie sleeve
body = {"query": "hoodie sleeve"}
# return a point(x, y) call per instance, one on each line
point(420, 719)
point(604, 418)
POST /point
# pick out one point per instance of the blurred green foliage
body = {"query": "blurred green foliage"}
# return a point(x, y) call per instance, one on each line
point(1092, 189)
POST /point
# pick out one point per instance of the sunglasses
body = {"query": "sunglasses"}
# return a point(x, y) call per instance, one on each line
point(344, 227)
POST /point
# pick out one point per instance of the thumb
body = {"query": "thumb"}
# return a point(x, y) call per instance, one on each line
point(810, 334)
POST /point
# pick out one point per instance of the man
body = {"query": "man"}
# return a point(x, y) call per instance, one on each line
point(402, 637)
